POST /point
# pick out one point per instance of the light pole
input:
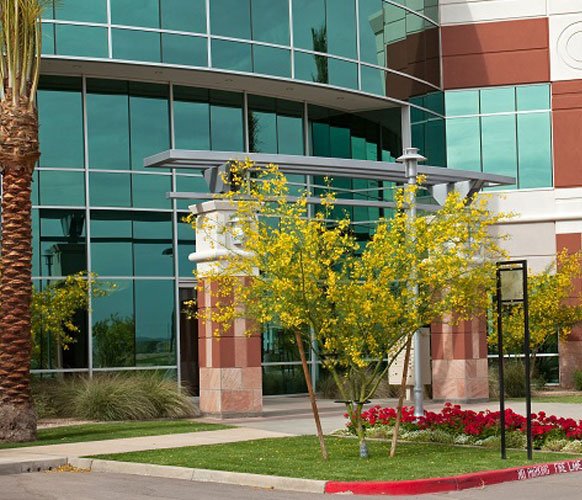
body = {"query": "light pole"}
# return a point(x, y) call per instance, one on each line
point(410, 159)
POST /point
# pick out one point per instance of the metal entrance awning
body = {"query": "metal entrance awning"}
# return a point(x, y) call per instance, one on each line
point(439, 180)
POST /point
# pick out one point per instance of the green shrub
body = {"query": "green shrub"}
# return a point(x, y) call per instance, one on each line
point(554, 444)
point(573, 447)
point(578, 380)
point(114, 397)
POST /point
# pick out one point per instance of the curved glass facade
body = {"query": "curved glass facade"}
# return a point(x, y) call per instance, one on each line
point(383, 47)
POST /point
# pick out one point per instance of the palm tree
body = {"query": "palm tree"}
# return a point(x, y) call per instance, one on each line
point(20, 49)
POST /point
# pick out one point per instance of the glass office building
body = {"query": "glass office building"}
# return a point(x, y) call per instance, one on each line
point(125, 79)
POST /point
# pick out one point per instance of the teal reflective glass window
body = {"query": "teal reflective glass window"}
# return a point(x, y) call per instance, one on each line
point(535, 150)
point(186, 245)
point(371, 17)
point(226, 121)
point(48, 38)
point(271, 21)
point(132, 45)
point(190, 184)
point(35, 242)
point(533, 97)
point(149, 121)
point(290, 135)
point(462, 102)
point(435, 146)
point(152, 244)
point(94, 11)
point(373, 80)
point(149, 191)
point(62, 242)
point(62, 188)
point(111, 243)
point(191, 118)
point(144, 13)
point(34, 195)
point(231, 18)
point(464, 143)
point(340, 142)
point(499, 145)
point(186, 50)
point(109, 190)
point(498, 100)
point(155, 323)
point(114, 326)
point(83, 41)
point(341, 27)
point(272, 61)
point(231, 55)
point(343, 73)
point(184, 15)
point(262, 125)
point(60, 111)
point(311, 68)
point(309, 25)
point(435, 102)
point(108, 124)
point(320, 140)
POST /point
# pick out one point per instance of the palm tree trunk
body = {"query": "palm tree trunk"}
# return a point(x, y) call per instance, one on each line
point(18, 155)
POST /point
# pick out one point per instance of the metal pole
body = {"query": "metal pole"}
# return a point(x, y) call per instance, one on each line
point(500, 354)
point(410, 158)
point(526, 352)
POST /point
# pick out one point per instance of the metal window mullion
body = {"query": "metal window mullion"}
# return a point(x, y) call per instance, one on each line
point(109, 31)
point(246, 128)
point(358, 45)
point(208, 38)
point(291, 39)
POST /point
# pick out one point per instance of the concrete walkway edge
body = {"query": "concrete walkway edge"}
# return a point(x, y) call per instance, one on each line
point(203, 475)
point(31, 465)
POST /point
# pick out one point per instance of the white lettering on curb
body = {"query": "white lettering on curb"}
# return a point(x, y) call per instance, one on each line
point(548, 469)
point(533, 472)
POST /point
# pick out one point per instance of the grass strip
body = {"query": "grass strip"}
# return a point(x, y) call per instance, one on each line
point(113, 430)
point(299, 457)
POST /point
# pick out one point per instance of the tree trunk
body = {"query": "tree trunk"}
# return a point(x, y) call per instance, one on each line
point(18, 155)
point(312, 399)
point(401, 398)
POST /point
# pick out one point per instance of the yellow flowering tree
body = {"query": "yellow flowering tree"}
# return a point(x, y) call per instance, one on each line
point(312, 277)
point(555, 307)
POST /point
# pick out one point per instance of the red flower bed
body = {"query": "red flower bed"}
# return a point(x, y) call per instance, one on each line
point(480, 425)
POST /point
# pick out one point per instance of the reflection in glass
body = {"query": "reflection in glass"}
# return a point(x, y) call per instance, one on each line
point(462, 102)
point(149, 191)
point(48, 38)
point(272, 61)
point(186, 50)
point(498, 100)
point(341, 27)
point(231, 18)
point(136, 13)
point(191, 118)
point(132, 45)
point(76, 10)
point(184, 15)
point(62, 188)
point(464, 143)
point(231, 55)
point(533, 97)
point(499, 145)
point(226, 121)
point(342, 73)
point(109, 190)
point(83, 41)
point(271, 21)
point(535, 150)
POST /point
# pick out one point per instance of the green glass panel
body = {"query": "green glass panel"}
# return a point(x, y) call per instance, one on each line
point(109, 190)
point(498, 100)
point(48, 11)
point(184, 15)
point(371, 31)
point(283, 379)
point(272, 61)
point(152, 244)
point(309, 25)
point(189, 184)
point(94, 11)
point(191, 120)
point(149, 121)
point(499, 145)
point(62, 188)
point(186, 50)
point(373, 80)
point(83, 41)
point(35, 242)
point(62, 242)
point(185, 248)
point(435, 102)
point(108, 124)
point(435, 146)
point(534, 137)
point(533, 97)
point(114, 327)
point(290, 135)
point(320, 137)
point(131, 45)
point(149, 191)
point(343, 73)
point(34, 188)
point(111, 243)
point(311, 68)
point(462, 102)
point(341, 27)
point(263, 132)
point(48, 38)
point(226, 128)
point(340, 142)
point(231, 18)
point(60, 110)
point(231, 55)
point(271, 21)
point(154, 328)
point(136, 13)
point(464, 143)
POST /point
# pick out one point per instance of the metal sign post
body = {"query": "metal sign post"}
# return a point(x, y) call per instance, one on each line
point(512, 290)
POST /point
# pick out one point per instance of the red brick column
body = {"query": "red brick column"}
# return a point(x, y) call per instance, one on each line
point(459, 361)
point(230, 365)
point(570, 349)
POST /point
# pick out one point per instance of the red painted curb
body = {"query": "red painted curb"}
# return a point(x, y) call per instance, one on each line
point(453, 483)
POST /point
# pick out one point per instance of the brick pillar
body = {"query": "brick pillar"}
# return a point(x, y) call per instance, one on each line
point(231, 382)
point(459, 361)
point(571, 348)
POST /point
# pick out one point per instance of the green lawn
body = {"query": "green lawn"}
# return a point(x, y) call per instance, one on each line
point(558, 398)
point(114, 430)
point(299, 457)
